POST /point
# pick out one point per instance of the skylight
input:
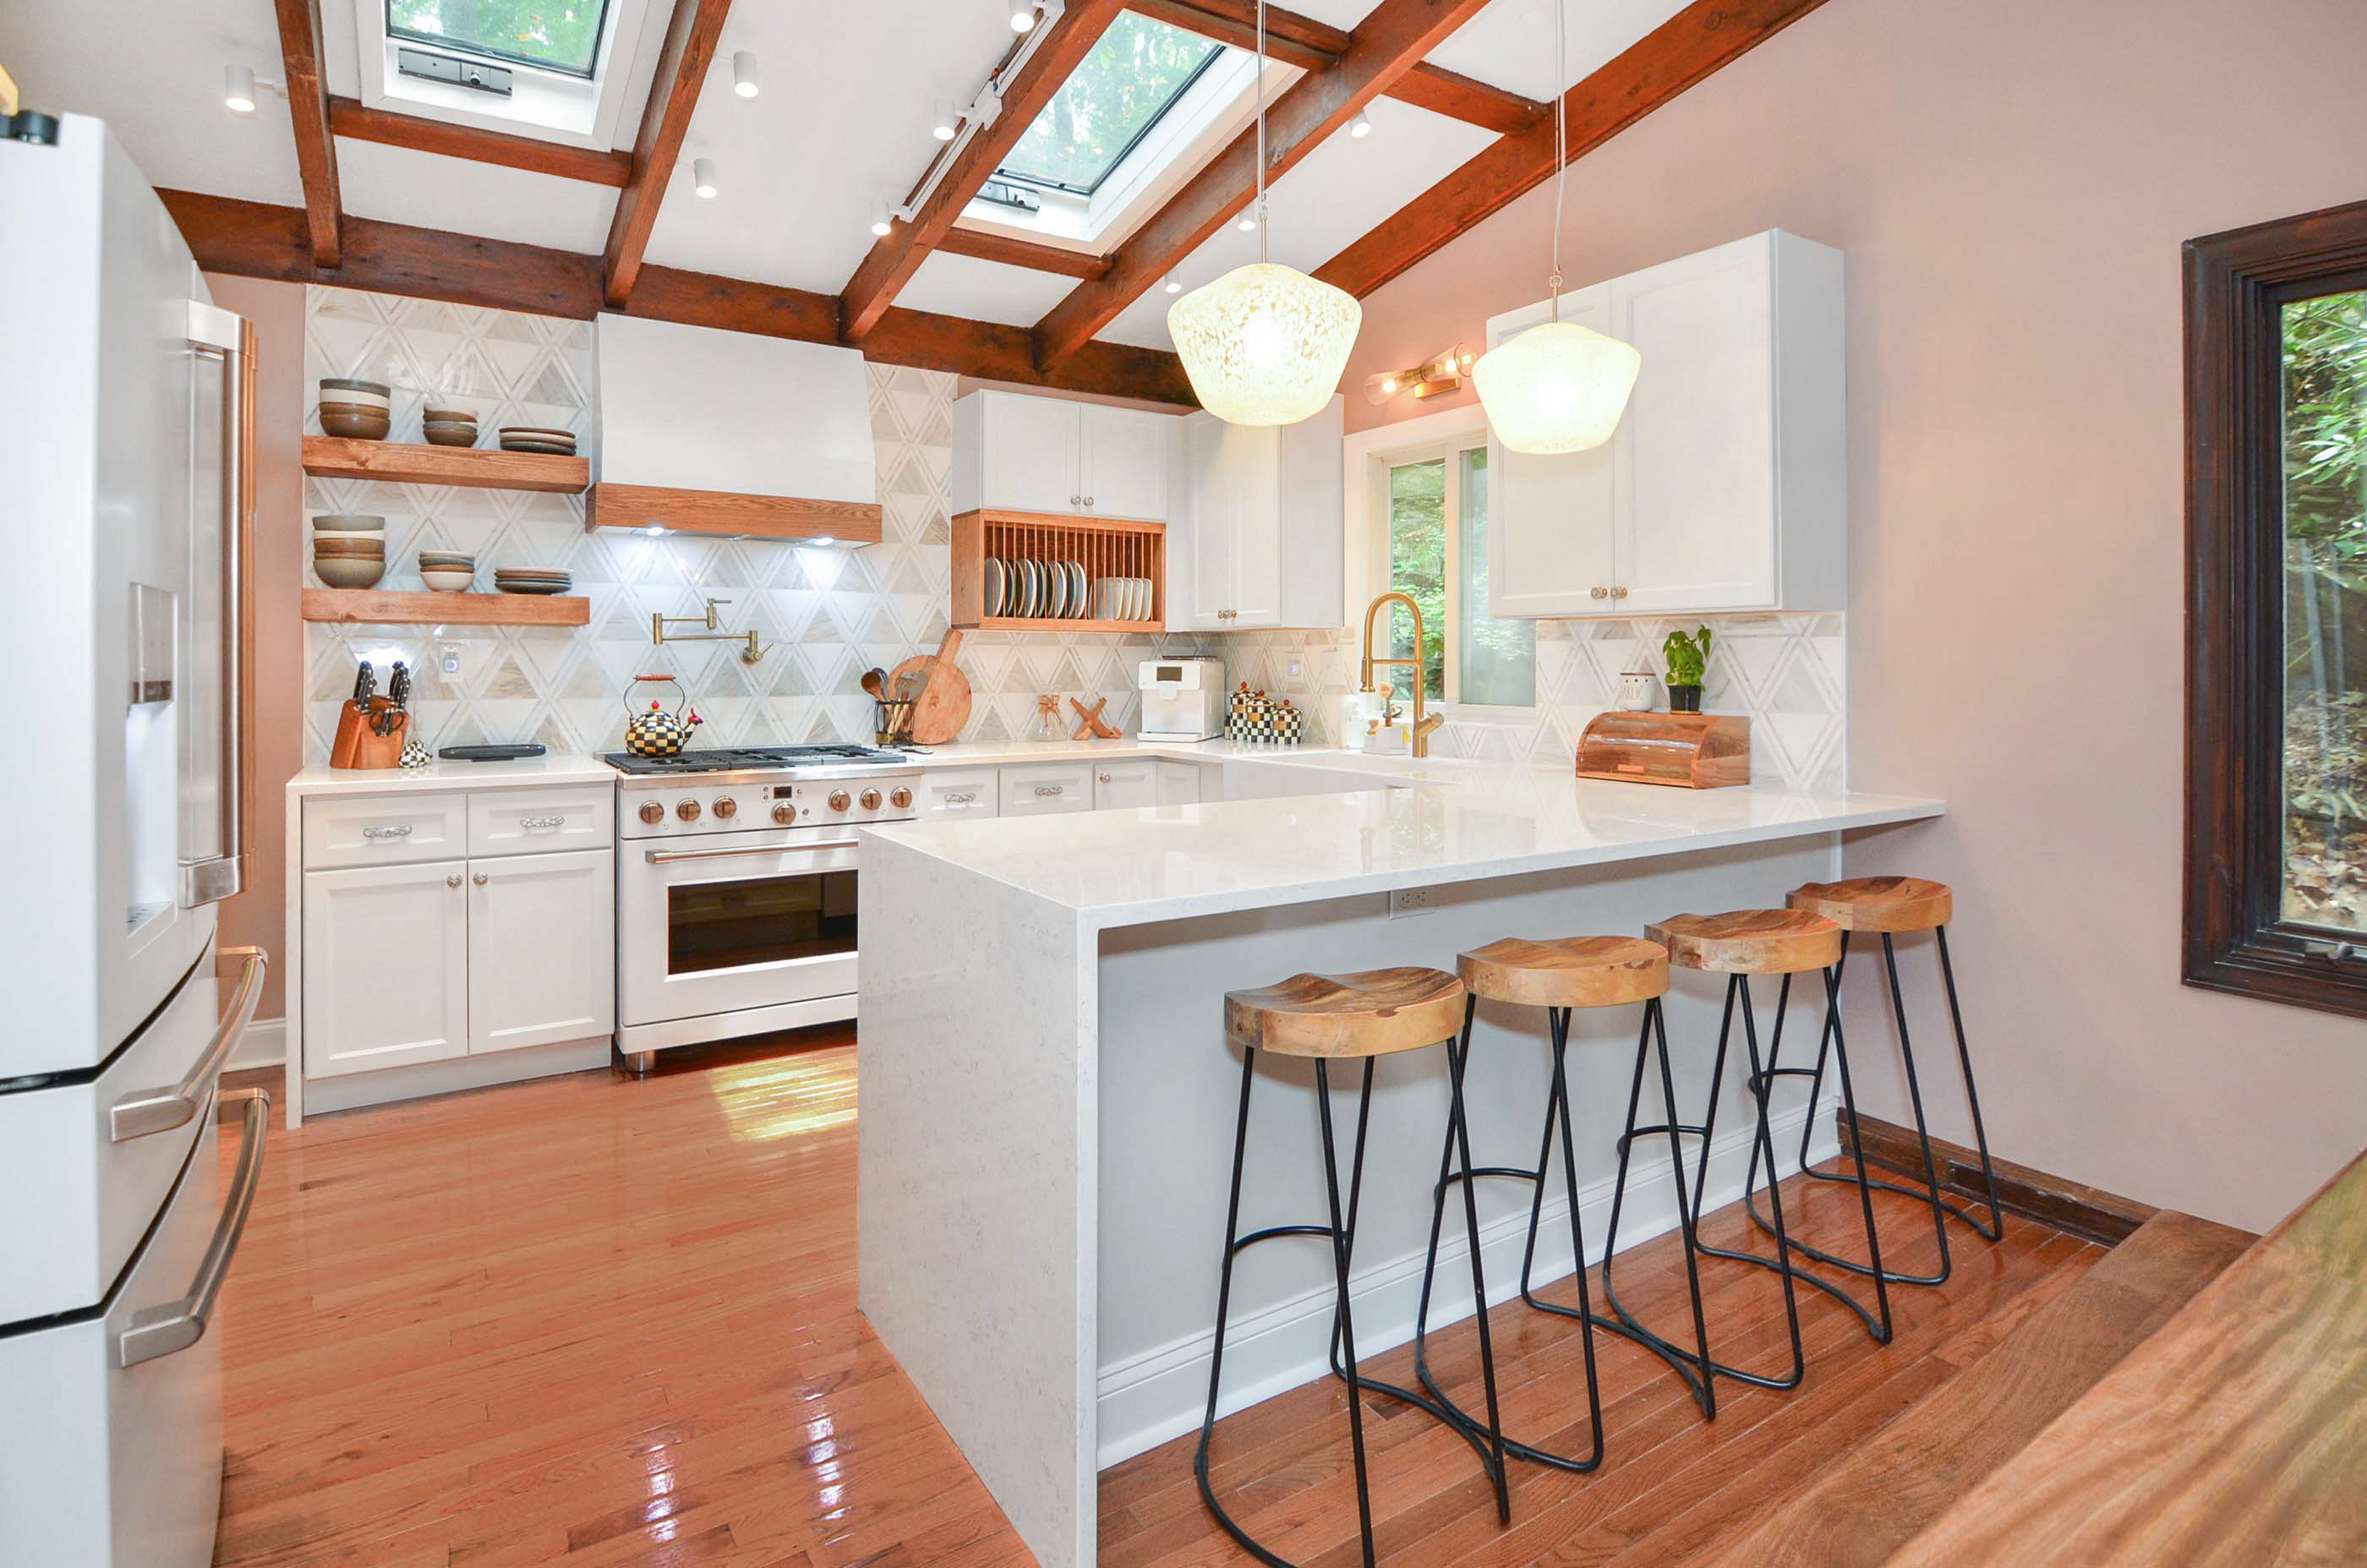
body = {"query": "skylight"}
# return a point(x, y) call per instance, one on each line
point(556, 35)
point(1110, 102)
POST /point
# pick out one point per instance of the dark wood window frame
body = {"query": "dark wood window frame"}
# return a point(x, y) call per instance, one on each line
point(2237, 286)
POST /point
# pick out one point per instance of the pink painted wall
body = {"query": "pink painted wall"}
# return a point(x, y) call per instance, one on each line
point(2011, 181)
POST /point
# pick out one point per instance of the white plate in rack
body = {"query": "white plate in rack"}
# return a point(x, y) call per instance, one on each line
point(990, 594)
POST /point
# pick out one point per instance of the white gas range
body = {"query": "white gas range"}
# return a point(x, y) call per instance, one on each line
point(735, 887)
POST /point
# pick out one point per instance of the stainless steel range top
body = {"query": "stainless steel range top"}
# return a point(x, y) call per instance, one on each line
point(736, 789)
point(798, 761)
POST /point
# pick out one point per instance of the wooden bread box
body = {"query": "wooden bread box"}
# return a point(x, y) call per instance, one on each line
point(1690, 750)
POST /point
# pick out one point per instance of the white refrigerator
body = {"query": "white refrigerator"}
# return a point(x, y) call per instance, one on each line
point(125, 434)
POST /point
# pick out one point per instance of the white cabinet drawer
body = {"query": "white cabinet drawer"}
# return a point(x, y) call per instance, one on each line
point(950, 793)
point(1041, 790)
point(383, 829)
point(529, 821)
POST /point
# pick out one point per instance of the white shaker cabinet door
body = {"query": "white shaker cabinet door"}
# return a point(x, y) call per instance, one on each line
point(1029, 453)
point(1179, 782)
point(386, 967)
point(1551, 519)
point(1123, 471)
point(542, 941)
point(1215, 488)
point(1125, 781)
point(1697, 517)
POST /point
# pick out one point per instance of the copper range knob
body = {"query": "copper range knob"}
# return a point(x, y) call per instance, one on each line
point(900, 798)
point(687, 810)
point(725, 808)
point(840, 800)
point(870, 800)
point(652, 811)
point(785, 814)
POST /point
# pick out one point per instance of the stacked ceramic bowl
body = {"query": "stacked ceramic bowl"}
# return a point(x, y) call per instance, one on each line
point(447, 571)
point(535, 438)
point(448, 426)
point(531, 579)
point(348, 549)
point(359, 408)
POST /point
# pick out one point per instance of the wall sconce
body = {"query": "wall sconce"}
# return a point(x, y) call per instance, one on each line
point(1441, 372)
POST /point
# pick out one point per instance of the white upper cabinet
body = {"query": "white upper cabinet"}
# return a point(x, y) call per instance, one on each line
point(1017, 453)
point(1724, 487)
point(1268, 546)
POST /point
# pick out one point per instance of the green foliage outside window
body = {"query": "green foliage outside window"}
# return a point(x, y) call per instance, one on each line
point(1417, 567)
point(1123, 85)
point(562, 34)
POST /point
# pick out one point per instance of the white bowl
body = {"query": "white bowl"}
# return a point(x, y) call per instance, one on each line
point(371, 534)
point(449, 582)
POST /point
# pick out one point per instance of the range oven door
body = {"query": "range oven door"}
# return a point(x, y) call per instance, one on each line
point(722, 922)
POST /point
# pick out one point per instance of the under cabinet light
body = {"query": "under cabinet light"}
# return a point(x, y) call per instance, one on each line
point(743, 75)
point(702, 177)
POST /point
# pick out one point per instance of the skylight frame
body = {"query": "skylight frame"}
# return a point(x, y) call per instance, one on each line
point(1214, 52)
point(453, 45)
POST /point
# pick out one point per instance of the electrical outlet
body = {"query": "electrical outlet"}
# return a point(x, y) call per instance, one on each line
point(448, 660)
point(1293, 668)
point(1410, 901)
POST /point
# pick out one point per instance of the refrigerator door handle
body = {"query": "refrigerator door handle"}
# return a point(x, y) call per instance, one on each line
point(175, 1325)
point(145, 1111)
point(214, 330)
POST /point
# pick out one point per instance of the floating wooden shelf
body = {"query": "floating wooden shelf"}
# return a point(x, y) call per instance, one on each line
point(386, 607)
point(474, 467)
point(1104, 547)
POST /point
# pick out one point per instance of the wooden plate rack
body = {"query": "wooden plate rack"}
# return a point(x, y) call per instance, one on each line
point(1104, 547)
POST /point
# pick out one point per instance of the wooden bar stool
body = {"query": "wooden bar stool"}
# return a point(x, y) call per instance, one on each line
point(1890, 906)
point(1345, 1018)
point(1559, 976)
point(1738, 945)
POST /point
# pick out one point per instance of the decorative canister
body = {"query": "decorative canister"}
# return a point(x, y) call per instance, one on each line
point(1640, 692)
point(656, 732)
point(1289, 724)
point(415, 755)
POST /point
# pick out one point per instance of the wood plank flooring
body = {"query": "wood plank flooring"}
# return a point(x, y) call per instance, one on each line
point(593, 1322)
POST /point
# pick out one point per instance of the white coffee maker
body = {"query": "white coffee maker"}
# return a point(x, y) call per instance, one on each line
point(1183, 699)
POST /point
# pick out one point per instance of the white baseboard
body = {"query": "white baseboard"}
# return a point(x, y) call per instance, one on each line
point(264, 1045)
point(1161, 1394)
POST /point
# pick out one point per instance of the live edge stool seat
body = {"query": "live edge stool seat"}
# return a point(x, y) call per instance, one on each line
point(1326, 1018)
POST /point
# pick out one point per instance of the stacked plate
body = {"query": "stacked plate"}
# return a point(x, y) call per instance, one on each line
point(536, 438)
point(1124, 599)
point(349, 549)
point(447, 571)
point(448, 427)
point(361, 410)
point(531, 579)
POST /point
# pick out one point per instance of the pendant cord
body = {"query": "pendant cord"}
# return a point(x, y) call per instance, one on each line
point(1261, 130)
point(1561, 145)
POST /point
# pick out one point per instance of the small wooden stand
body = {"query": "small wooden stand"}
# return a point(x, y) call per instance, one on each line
point(1090, 722)
point(1689, 750)
point(358, 746)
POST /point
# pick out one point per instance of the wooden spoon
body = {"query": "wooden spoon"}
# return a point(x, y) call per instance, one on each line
point(875, 682)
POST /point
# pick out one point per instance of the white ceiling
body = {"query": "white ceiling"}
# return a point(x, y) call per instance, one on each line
point(841, 123)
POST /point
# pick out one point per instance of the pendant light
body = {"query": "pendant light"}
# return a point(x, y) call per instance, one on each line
point(1264, 343)
point(1557, 387)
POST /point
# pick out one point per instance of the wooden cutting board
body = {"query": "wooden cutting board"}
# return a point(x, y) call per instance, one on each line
point(943, 706)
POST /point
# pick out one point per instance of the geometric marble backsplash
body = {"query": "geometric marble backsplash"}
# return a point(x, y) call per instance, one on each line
point(825, 615)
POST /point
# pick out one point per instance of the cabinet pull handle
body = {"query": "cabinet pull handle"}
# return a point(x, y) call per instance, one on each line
point(531, 823)
point(1045, 792)
point(161, 1109)
point(963, 798)
point(401, 831)
point(175, 1325)
point(481, 879)
point(453, 880)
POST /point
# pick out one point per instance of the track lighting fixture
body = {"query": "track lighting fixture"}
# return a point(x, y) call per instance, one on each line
point(743, 75)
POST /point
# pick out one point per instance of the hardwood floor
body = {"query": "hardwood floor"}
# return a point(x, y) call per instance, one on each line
point(594, 1321)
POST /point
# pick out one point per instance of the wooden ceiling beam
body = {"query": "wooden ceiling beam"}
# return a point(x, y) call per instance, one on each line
point(354, 119)
point(308, 106)
point(897, 256)
point(985, 244)
point(665, 120)
point(255, 239)
point(1688, 47)
point(1384, 47)
point(1310, 45)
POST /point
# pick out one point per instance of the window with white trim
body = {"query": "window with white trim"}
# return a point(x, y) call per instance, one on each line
point(1429, 540)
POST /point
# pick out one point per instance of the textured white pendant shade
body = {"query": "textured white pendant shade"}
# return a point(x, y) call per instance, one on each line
point(1556, 388)
point(1264, 343)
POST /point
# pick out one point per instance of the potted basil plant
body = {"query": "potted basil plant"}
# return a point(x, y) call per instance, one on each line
point(1687, 657)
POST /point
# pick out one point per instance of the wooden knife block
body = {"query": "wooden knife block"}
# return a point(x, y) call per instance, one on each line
point(358, 747)
point(1687, 751)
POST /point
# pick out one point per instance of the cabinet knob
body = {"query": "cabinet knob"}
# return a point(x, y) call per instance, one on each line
point(481, 879)
point(1598, 593)
point(1076, 501)
point(1089, 502)
point(453, 880)
point(1619, 594)
point(1104, 777)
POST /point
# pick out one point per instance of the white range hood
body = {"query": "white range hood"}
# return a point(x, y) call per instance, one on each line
point(715, 432)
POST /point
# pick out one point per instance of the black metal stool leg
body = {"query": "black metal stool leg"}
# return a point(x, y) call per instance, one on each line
point(1461, 1128)
point(1340, 1256)
point(1995, 1229)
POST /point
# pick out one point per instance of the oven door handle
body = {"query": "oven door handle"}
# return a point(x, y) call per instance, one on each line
point(661, 857)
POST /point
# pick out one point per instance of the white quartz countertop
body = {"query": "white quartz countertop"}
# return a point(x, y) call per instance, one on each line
point(1442, 822)
point(441, 776)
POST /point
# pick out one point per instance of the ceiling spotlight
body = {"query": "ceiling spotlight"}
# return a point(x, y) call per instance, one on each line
point(238, 89)
point(702, 177)
point(1174, 285)
point(942, 127)
point(1247, 225)
point(880, 223)
point(1361, 126)
point(743, 75)
point(1023, 15)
